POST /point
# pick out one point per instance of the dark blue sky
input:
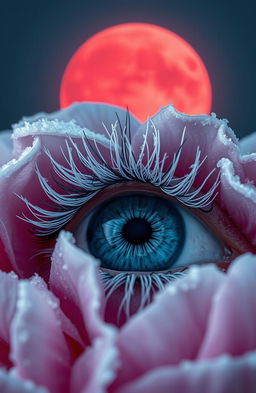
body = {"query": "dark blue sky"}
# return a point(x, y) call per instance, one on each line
point(37, 40)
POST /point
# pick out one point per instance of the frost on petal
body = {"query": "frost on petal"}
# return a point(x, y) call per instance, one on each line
point(212, 136)
point(74, 280)
point(39, 350)
point(8, 297)
point(5, 147)
point(87, 115)
point(96, 368)
point(16, 238)
point(221, 375)
point(238, 195)
point(66, 325)
point(231, 326)
point(11, 383)
point(45, 180)
point(90, 119)
point(171, 328)
point(69, 138)
point(219, 148)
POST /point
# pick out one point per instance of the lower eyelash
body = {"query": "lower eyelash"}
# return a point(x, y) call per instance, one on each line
point(149, 284)
point(124, 167)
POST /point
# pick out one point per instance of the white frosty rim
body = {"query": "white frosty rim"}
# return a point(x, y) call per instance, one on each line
point(57, 127)
point(26, 156)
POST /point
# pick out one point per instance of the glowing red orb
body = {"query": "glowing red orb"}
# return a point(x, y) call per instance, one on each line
point(141, 66)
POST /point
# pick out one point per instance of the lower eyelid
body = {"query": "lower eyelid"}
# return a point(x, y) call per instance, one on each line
point(141, 273)
point(128, 293)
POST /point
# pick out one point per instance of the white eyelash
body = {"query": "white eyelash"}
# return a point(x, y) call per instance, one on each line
point(149, 283)
point(124, 167)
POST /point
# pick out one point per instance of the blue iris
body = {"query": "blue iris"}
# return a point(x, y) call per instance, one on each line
point(136, 232)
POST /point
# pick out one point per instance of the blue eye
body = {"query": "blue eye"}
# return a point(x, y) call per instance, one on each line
point(142, 239)
point(136, 233)
point(146, 233)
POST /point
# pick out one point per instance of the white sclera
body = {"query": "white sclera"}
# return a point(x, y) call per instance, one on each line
point(200, 244)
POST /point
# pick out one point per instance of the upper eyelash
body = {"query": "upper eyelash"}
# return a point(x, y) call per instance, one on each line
point(124, 167)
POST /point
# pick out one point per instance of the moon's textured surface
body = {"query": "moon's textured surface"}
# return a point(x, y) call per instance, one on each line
point(141, 66)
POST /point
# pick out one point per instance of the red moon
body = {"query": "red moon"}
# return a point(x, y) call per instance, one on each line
point(139, 66)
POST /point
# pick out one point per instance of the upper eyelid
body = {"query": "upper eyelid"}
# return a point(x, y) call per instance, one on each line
point(123, 168)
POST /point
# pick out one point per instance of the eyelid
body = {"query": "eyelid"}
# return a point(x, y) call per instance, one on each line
point(215, 220)
point(145, 273)
point(121, 166)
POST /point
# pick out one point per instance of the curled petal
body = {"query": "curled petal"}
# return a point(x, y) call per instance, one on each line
point(50, 141)
point(15, 177)
point(231, 326)
point(91, 118)
point(87, 115)
point(74, 280)
point(66, 325)
point(238, 196)
point(5, 147)
point(221, 375)
point(8, 298)
point(11, 383)
point(39, 350)
point(171, 328)
point(96, 368)
point(213, 137)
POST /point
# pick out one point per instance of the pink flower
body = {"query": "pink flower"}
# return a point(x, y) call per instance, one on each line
point(199, 332)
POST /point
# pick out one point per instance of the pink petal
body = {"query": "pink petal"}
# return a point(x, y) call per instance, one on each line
point(238, 195)
point(218, 143)
point(8, 296)
point(5, 361)
point(5, 147)
point(232, 322)
point(74, 280)
point(75, 122)
point(66, 325)
point(90, 115)
point(214, 138)
point(171, 328)
point(11, 383)
point(96, 367)
point(39, 350)
point(15, 238)
point(72, 121)
point(221, 375)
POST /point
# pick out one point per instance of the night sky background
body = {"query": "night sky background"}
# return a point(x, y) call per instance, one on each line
point(37, 40)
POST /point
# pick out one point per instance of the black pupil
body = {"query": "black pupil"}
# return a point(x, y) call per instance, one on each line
point(137, 231)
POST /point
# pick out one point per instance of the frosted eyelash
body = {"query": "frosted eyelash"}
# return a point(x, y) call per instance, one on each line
point(124, 167)
point(149, 284)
